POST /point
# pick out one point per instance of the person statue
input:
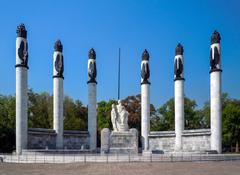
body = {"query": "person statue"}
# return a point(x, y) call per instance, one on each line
point(119, 117)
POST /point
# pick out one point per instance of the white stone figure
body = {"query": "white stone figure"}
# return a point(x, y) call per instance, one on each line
point(119, 117)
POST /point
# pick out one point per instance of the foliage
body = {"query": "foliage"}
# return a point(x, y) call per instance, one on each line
point(7, 123)
point(133, 106)
point(40, 115)
point(231, 124)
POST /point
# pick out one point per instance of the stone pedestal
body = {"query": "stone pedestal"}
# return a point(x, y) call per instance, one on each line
point(92, 115)
point(119, 142)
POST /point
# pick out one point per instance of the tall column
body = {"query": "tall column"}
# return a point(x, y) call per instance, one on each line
point(145, 100)
point(92, 100)
point(215, 93)
point(58, 68)
point(21, 89)
point(179, 96)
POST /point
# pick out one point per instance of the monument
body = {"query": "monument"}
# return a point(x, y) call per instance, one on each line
point(121, 139)
point(179, 96)
point(58, 68)
point(145, 100)
point(92, 99)
point(215, 93)
point(21, 89)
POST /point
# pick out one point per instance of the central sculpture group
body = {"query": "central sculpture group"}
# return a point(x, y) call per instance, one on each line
point(119, 117)
point(122, 139)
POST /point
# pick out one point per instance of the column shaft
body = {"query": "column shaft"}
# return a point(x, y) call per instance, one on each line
point(58, 111)
point(216, 111)
point(145, 114)
point(179, 113)
point(21, 109)
point(92, 115)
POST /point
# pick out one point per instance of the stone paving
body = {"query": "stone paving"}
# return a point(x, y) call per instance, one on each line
point(165, 168)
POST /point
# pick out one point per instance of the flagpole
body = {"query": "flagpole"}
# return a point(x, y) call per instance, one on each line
point(119, 67)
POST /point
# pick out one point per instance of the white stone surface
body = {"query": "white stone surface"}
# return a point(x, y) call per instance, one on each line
point(92, 115)
point(179, 112)
point(196, 140)
point(216, 111)
point(145, 115)
point(58, 110)
point(21, 109)
point(119, 117)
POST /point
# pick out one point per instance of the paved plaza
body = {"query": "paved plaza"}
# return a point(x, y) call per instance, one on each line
point(180, 168)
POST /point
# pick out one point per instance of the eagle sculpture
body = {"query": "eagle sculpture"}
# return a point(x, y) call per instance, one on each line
point(59, 65)
point(178, 68)
point(23, 53)
point(92, 68)
point(145, 72)
point(214, 61)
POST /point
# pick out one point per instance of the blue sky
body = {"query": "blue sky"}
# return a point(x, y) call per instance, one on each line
point(132, 25)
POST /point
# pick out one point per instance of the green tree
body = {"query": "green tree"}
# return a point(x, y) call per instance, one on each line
point(75, 115)
point(231, 124)
point(40, 110)
point(7, 123)
point(163, 119)
point(104, 114)
point(133, 106)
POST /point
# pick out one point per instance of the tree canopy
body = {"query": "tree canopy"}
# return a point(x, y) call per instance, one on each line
point(40, 115)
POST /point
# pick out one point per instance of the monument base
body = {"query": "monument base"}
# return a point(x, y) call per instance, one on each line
point(119, 142)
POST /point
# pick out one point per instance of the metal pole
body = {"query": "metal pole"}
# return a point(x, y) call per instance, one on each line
point(119, 67)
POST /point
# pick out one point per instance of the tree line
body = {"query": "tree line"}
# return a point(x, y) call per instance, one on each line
point(40, 115)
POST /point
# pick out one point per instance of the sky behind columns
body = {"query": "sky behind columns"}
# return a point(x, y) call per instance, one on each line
point(132, 25)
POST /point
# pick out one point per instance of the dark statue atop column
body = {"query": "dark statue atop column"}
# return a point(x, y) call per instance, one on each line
point(59, 66)
point(215, 52)
point(58, 46)
point(178, 63)
point(215, 37)
point(92, 68)
point(22, 47)
point(145, 71)
point(21, 31)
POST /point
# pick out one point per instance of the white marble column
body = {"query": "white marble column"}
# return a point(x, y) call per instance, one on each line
point(179, 96)
point(145, 115)
point(179, 113)
point(21, 89)
point(92, 115)
point(145, 101)
point(215, 93)
point(92, 100)
point(58, 95)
